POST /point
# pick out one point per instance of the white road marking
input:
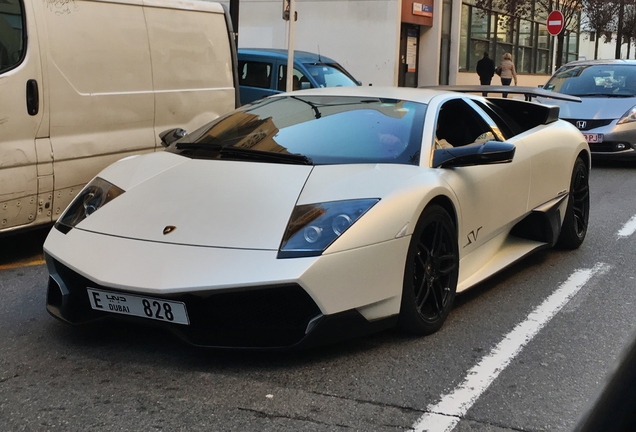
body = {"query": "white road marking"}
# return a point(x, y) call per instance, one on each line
point(629, 228)
point(445, 415)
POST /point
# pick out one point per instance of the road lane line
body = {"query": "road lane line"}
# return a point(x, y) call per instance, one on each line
point(447, 413)
point(629, 228)
point(23, 263)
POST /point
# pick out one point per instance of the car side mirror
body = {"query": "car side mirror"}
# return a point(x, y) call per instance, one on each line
point(171, 135)
point(491, 152)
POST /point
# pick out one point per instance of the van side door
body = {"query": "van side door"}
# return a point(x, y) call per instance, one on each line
point(100, 89)
point(21, 114)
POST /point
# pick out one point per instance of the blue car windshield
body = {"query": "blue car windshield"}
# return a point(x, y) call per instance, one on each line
point(315, 130)
point(605, 80)
point(330, 75)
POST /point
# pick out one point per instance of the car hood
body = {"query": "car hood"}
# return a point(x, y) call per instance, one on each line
point(593, 108)
point(209, 203)
point(235, 204)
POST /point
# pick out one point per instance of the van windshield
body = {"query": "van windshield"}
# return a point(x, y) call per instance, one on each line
point(330, 75)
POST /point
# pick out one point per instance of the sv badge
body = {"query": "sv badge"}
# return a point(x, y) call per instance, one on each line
point(472, 236)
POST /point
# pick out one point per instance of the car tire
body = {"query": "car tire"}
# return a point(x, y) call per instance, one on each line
point(577, 212)
point(430, 274)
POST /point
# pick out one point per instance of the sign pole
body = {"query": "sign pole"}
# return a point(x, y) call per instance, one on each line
point(290, 46)
point(554, 23)
point(554, 53)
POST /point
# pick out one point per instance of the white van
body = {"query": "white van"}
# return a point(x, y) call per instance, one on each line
point(84, 83)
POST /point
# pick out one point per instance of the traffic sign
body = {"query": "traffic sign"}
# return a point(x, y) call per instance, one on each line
point(555, 22)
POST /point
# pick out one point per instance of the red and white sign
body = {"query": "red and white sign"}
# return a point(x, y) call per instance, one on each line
point(555, 22)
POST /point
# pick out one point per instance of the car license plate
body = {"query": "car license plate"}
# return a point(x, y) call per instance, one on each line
point(593, 138)
point(141, 306)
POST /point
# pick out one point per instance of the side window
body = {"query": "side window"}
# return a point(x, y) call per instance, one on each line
point(458, 125)
point(300, 81)
point(12, 34)
point(504, 123)
point(254, 74)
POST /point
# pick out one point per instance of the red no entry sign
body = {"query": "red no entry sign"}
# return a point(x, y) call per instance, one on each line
point(555, 22)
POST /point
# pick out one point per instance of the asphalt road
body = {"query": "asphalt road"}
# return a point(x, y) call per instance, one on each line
point(116, 378)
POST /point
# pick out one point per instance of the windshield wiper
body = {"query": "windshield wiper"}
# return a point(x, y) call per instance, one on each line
point(618, 95)
point(251, 154)
point(246, 153)
point(602, 95)
point(197, 146)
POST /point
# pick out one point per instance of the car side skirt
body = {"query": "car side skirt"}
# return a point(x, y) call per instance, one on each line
point(540, 229)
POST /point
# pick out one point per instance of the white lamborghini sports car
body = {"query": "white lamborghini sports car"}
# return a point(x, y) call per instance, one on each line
point(318, 215)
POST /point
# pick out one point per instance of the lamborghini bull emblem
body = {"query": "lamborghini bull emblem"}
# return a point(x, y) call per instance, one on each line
point(169, 229)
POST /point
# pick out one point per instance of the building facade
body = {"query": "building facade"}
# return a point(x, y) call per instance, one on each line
point(407, 42)
point(606, 48)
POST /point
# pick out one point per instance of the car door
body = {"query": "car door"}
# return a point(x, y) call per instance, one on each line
point(21, 114)
point(300, 80)
point(492, 197)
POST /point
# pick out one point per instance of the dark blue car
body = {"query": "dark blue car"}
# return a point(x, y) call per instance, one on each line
point(263, 72)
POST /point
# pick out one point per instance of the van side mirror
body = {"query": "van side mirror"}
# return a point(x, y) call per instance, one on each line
point(171, 135)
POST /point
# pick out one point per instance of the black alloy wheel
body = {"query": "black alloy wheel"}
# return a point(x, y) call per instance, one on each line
point(577, 213)
point(430, 274)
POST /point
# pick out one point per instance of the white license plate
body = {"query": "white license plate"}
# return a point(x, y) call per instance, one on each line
point(140, 306)
point(593, 138)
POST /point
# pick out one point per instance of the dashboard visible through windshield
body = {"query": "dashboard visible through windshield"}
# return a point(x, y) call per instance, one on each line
point(594, 80)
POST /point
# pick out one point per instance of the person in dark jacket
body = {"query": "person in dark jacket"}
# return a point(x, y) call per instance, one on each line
point(485, 70)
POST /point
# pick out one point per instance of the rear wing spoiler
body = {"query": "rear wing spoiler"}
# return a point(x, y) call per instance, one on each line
point(527, 92)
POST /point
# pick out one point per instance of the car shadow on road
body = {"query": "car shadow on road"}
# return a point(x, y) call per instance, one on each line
point(623, 164)
point(22, 247)
point(152, 345)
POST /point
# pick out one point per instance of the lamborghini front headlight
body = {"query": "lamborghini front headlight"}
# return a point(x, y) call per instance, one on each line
point(313, 227)
point(94, 195)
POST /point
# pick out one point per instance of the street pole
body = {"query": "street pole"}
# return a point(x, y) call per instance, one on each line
point(554, 53)
point(234, 16)
point(290, 45)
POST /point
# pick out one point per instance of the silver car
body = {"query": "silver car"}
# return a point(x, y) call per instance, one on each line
point(607, 113)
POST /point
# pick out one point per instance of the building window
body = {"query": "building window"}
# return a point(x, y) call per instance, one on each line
point(543, 50)
point(526, 38)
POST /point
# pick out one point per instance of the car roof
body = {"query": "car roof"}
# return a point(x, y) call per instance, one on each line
point(281, 54)
point(421, 95)
point(601, 62)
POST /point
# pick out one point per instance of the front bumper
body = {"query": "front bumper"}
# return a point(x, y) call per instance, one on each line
point(260, 318)
point(619, 141)
point(237, 299)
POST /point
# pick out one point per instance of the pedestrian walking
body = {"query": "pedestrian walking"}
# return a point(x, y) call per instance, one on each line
point(485, 70)
point(506, 71)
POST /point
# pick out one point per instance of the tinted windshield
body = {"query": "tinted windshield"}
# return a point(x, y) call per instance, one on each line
point(322, 130)
point(330, 75)
point(594, 80)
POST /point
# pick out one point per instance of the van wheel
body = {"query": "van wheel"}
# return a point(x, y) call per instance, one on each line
point(577, 212)
point(430, 273)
